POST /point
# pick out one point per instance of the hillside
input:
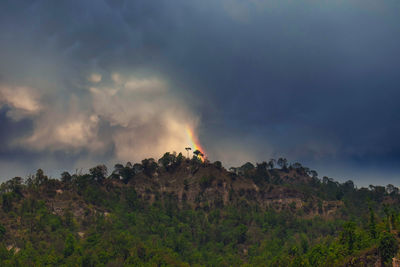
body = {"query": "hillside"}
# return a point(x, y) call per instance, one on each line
point(186, 212)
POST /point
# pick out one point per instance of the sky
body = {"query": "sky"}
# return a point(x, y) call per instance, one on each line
point(88, 82)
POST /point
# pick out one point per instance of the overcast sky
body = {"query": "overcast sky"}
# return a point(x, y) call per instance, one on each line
point(89, 82)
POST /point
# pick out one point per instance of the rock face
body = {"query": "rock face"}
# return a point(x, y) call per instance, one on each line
point(205, 184)
point(195, 184)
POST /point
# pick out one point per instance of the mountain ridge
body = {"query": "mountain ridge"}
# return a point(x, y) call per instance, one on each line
point(254, 205)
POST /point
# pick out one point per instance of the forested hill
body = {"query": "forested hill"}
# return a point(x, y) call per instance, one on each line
point(188, 212)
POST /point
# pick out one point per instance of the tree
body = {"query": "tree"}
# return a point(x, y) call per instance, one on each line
point(69, 246)
point(179, 159)
point(233, 169)
point(98, 173)
point(297, 166)
point(261, 173)
point(66, 177)
point(40, 178)
point(137, 168)
point(282, 162)
point(198, 153)
point(240, 233)
point(348, 186)
point(313, 174)
point(246, 169)
point(197, 156)
point(128, 165)
point(118, 171)
point(271, 163)
point(387, 247)
point(393, 219)
point(218, 164)
point(132, 198)
point(392, 190)
point(123, 173)
point(386, 210)
point(348, 235)
point(372, 223)
point(378, 192)
point(300, 169)
point(14, 185)
point(167, 160)
point(149, 166)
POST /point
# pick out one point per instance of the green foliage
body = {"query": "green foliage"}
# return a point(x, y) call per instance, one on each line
point(66, 177)
point(283, 163)
point(40, 178)
point(348, 235)
point(247, 168)
point(261, 174)
point(372, 223)
point(127, 219)
point(197, 153)
point(132, 199)
point(98, 173)
point(149, 166)
point(93, 195)
point(167, 160)
point(69, 246)
point(123, 173)
point(388, 246)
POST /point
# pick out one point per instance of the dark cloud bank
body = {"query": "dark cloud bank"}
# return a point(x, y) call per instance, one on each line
point(83, 82)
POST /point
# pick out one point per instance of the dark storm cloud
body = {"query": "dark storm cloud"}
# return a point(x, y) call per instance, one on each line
point(315, 81)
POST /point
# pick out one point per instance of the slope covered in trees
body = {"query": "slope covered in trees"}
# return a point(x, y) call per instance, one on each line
point(186, 212)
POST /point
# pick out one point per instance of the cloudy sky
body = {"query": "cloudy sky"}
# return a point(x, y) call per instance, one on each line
point(88, 82)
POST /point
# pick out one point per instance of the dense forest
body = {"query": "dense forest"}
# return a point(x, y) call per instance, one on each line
point(190, 212)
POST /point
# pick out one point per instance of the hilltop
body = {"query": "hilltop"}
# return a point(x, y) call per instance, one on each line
point(179, 212)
